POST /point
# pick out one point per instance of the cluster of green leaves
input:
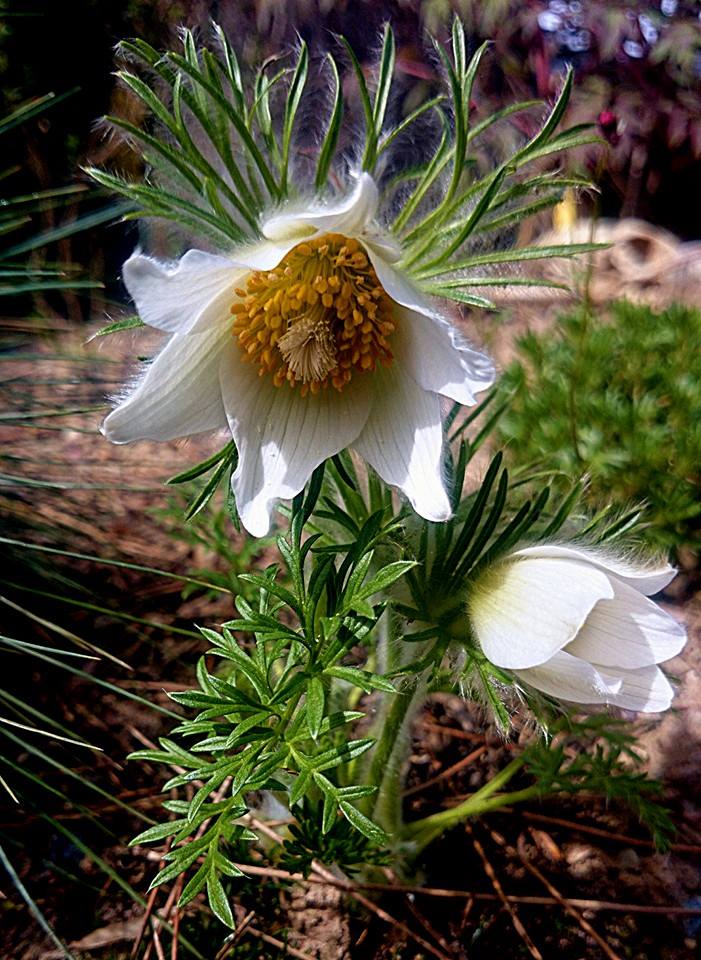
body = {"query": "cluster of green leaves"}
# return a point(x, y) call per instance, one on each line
point(277, 713)
point(222, 154)
point(342, 844)
point(597, 754)
point(617, 399)
point(267, 719)
point(206, 88)
point(220, 466)
point(438, 224)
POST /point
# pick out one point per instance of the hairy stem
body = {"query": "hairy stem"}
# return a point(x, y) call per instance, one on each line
point(390, 754)
point(421, 833)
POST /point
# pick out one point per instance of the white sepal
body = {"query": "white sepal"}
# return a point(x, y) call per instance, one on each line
point(527, 610)
point(282, 437)
point(645, 578)
point(178, 395)
point(646, 690)
point(628, 631)
point(190, 295)
point(350, 216)
point(403, 441)
point(436, 355)
point(569, 678)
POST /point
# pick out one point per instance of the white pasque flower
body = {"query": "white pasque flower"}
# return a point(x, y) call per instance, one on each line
point(342, 351)
point(578, 625)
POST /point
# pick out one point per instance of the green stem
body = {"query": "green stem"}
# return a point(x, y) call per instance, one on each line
point(389, 755)
point(382, 644)
point(422, 832)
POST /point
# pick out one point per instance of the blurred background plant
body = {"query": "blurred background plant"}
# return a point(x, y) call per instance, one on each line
point(62, 574)
point(637, 70)
point(638, 73)
point(615, 398)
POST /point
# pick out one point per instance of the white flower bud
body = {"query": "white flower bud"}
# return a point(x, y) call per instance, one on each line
point(578, 625)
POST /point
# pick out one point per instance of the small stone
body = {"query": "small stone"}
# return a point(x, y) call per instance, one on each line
point(628, 859)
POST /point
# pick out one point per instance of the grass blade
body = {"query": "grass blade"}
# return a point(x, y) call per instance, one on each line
point(33, 908)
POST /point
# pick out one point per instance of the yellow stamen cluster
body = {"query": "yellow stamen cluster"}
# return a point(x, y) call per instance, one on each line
point(320, 315)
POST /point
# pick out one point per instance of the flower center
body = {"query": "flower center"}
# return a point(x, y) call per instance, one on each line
point(320, 315)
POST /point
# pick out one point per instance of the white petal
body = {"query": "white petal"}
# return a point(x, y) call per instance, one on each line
point(644, 579)
point(438, 357)
point(185, 296)
point(379, 244)
point(524, 611)
point(646, 690)
point(350, 216)
point(281, 436)
point(266, 254)
point(401, 289)
point(178, 395)
point(403, 441)
point(568, 678)
point(628, 631)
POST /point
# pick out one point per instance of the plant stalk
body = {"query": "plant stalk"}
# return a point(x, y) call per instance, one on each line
point(421, 833)
point(390, 754)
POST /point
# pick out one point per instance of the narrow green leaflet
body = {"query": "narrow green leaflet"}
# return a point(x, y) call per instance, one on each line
point(315, 706)
point(129, 323)
point(363, 824)
point(218, 900)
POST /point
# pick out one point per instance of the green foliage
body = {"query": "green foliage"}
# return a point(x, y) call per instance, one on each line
point(594, 755)
point(268, 718)
point(616, 399)
point(437, 225)
point(276, 709)
point(220, 466)
point(342, 844)
point(224, 152)
point(18, 274)
point(598, 755)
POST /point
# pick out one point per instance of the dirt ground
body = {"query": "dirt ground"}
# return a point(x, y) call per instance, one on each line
point(566, 878)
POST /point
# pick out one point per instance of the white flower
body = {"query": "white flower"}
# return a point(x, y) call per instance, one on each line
point(579, 626)
point(341, 349)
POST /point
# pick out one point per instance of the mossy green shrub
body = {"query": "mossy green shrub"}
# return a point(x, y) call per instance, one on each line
point(616, 396)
